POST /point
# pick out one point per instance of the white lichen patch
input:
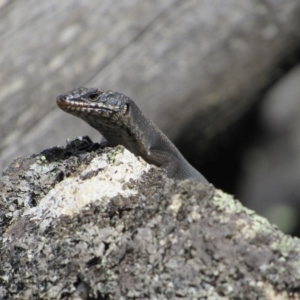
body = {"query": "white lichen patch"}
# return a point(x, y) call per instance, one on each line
point(176, 203)
point(100, 180)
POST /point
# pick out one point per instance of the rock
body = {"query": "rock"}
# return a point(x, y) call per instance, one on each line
point(82, 222)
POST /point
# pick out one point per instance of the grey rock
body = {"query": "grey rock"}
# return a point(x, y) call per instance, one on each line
point(131, 233)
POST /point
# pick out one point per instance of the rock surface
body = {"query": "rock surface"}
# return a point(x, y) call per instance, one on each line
point(103, 224)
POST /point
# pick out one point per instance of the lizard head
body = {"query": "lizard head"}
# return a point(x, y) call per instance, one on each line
point(110, 113)
point(84, 101)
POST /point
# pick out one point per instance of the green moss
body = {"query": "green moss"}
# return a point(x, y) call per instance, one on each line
point(113, 153)
point(226, 202)
point(280, 242)
point(41, 159)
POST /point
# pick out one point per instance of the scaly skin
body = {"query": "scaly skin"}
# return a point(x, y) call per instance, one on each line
point(122, 122)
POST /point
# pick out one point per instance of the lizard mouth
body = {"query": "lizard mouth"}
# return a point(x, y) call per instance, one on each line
point(95, 108)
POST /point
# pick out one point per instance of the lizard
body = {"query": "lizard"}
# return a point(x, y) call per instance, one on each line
point(118, 118)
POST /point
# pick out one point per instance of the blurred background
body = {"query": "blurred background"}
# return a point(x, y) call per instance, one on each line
point(220, 77)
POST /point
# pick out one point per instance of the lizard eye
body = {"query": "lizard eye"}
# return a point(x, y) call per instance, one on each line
point(93, 97)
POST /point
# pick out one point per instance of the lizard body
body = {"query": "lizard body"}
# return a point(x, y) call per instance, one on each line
point(122, 122)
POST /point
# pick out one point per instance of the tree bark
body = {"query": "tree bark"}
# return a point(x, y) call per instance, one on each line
point(195, 67)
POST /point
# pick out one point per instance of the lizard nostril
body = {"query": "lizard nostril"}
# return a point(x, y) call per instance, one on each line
point(62, 98)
